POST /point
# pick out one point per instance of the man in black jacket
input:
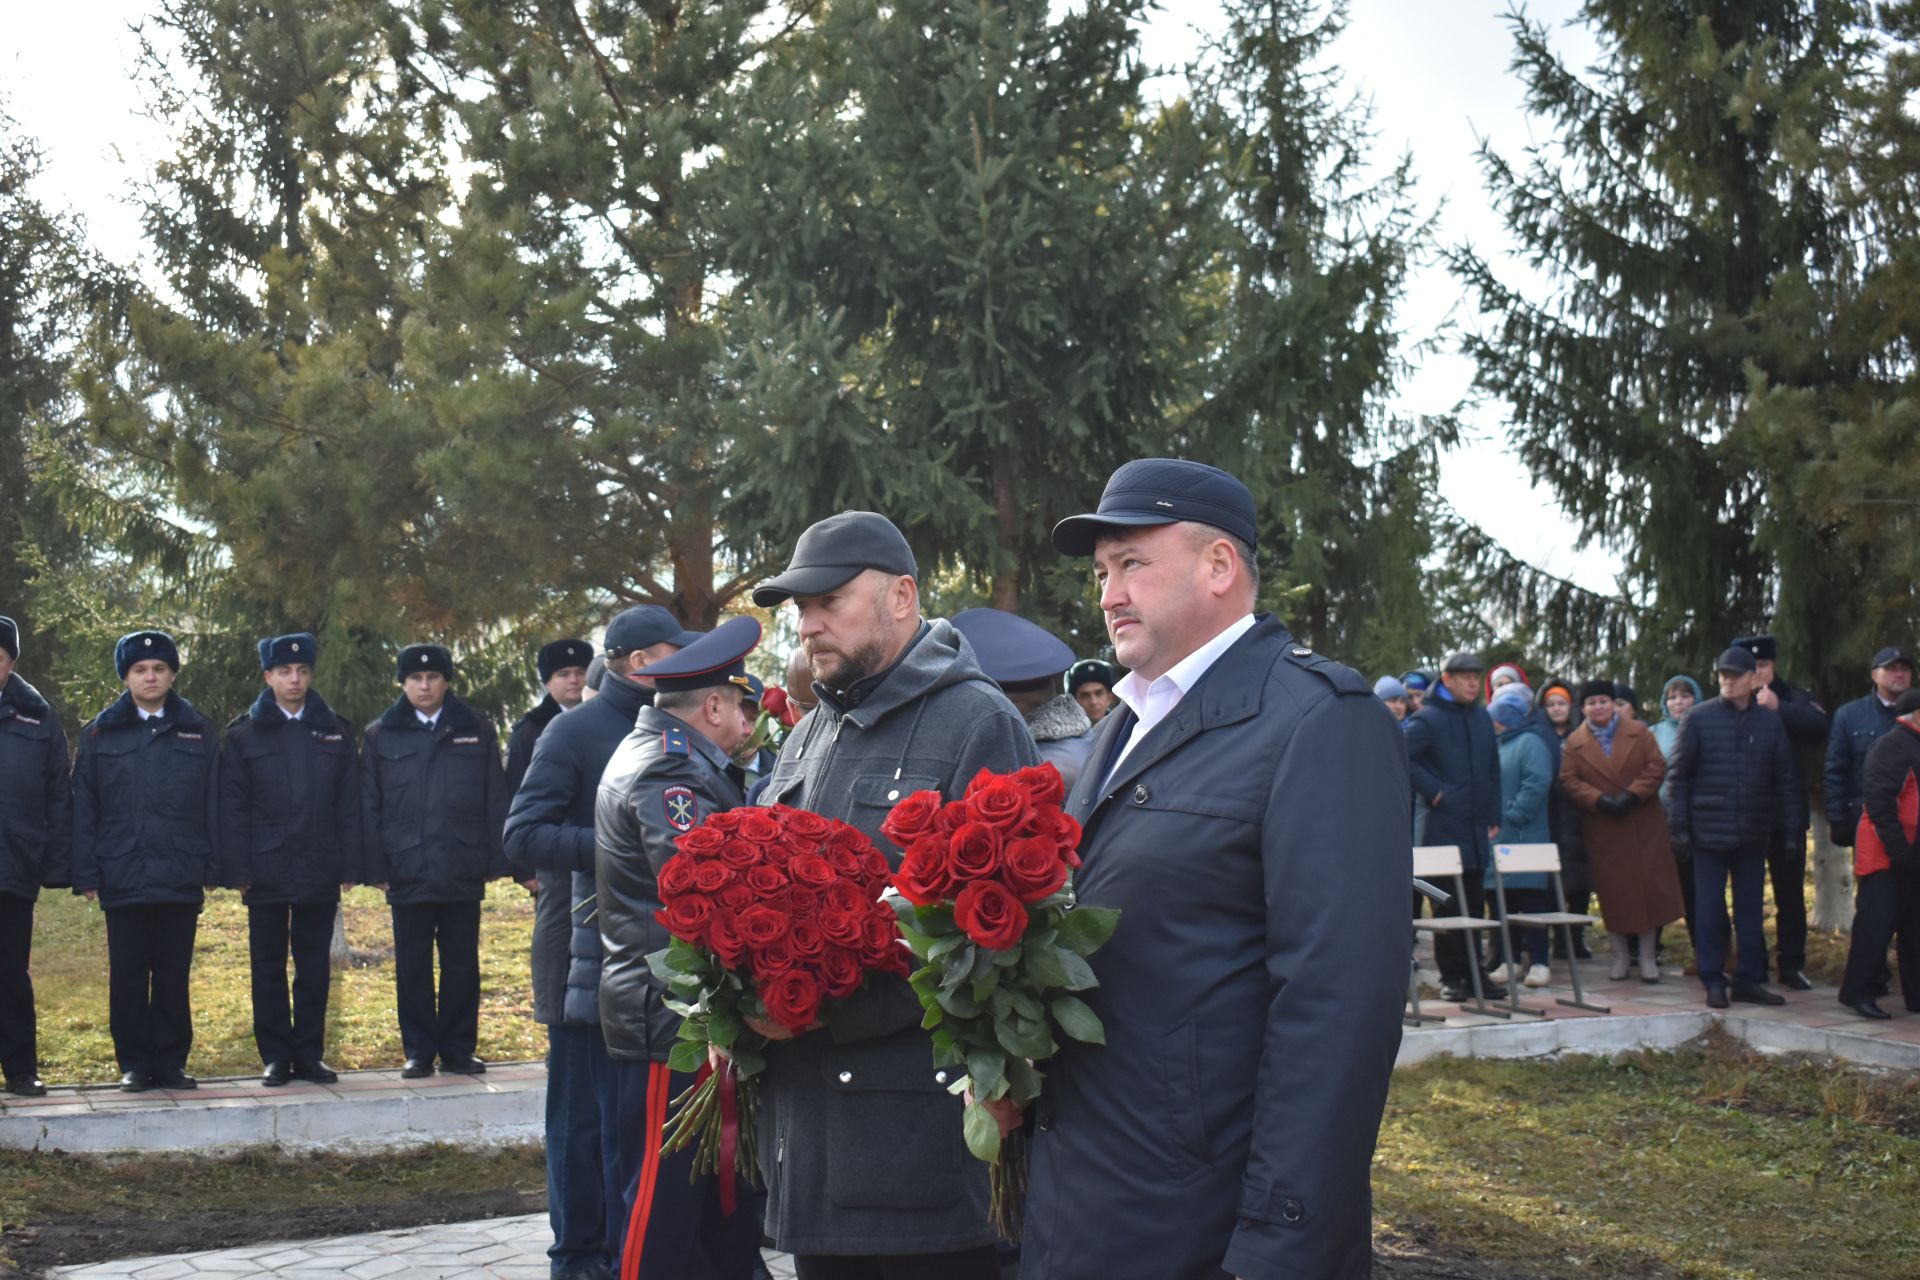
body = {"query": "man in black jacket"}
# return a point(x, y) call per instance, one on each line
point(1857, 725)
point(562, 665)
point(1889, 866)
point(433, 801)
point(1732, 790)
point(669, 775)
point(35, 852)
point(146, 795)
point(290, 836)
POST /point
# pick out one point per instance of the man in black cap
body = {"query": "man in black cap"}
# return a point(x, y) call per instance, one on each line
point(1259, 985)
point(1731, 790)
point(870, 1175)
point(549, 834)
point(562, 665)
point(1454, 762)
point(668, 775)
point(1887, 860)
point(1807, 727)
point(1857, 725)
point(36, 851)
point(433, 800)
point(290, 838)
point(1026, 661)
point(146, 798)
point(1091, 682)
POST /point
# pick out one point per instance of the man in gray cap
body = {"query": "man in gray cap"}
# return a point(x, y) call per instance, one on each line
point(1252, 992)
point(1857, 725)
point(867, 1173)
point(1026, 661)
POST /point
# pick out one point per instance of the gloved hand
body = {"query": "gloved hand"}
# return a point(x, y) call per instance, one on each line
point(1626, 800)
point(1682, 845)
point(1610, 805)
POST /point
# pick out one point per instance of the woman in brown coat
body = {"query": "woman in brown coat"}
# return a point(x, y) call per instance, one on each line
point(1611, 769)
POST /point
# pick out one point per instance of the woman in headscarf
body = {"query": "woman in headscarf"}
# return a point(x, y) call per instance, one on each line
point(1526, 781)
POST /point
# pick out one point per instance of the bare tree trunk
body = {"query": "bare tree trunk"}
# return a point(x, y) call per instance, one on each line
point(1006, 514)
point(340, 954)
point(1832, 879)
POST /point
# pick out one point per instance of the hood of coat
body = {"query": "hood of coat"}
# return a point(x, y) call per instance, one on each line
point(266, 712)
point(938, 658)
point(455, 715)
point(121, 711)
point(1057, 720)
point(22, 699)
point(1667, 688)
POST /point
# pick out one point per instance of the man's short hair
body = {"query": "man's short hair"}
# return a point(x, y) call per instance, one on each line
point(688, 699)
point(1205, 533)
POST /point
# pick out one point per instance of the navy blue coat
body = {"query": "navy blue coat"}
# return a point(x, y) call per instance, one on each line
point(432, 804)
point(520, 739)
point(1856, 727)
point(549, 830)
point(1257, 848)
point(289, 804)
point(36, 844)
point(146, 805)
point(1731, 784)
point(1456, 771)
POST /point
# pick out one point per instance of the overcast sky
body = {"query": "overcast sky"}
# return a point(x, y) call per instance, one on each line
point(1435, 72)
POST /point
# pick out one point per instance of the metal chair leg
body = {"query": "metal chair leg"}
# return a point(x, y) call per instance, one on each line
point(1579, 1000)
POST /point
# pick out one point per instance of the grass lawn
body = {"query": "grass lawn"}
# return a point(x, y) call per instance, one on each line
point(70, 987)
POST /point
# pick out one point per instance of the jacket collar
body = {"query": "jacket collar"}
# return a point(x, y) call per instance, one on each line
point(21, 698)
point(266, 712)
point(455, 716)
point(1057, 720)
point(178, 710)
point(623, 695)
point(652, 719)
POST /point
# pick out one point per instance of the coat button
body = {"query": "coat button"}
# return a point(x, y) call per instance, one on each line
point(1044, 1123)
point(893, 795)
point(1293, 1211)
point(846, 1077)
point(939, 1077)
point(1141, 795)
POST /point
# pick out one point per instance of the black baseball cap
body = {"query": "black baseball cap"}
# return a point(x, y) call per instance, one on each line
point(717, 658)
point(835, 551)
point(1892, 654)
point(642, 627)
point(1151, 491)
point(1738, 660)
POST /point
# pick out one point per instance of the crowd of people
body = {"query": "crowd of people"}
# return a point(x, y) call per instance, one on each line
point(1656, 820)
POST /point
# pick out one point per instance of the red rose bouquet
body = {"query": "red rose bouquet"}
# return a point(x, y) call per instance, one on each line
point(774, 912)
point(985, 900)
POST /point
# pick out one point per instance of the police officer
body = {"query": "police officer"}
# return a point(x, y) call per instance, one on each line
point(1807, 728)
point(433, 800)
point(290, 836)
point(1091, 682)
point(146, 796)
point(1252, 992)
point(1027, 661)
point(668, 775)
point(562, 665)
point(1857, 725)
point(549, 834)
point(35, 852)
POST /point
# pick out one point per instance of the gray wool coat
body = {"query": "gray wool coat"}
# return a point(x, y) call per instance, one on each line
point(860, 1142)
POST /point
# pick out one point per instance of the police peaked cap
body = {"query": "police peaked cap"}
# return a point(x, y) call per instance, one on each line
point(416, 658)
point(642, 627)
point(1092, 671)
point(142, 646)
point(1762, 647)
point(1155, 491)
point(10, 638)
point(1010, 649)
point(288, 650)
point(717, 658)
point(558, 655)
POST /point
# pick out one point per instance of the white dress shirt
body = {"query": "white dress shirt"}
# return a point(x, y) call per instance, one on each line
point(149, 715)
point(425, 719)
point(1152, 703)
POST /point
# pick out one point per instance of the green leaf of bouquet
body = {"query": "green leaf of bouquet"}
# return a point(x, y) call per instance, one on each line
point(1086, 929)
point(957, 967)
point(682, 957)
point(1078, 1021)
point(657, 964)
point(688, 1056)
point(1028, 1006)
point(723, 1029)
point(746, 1063)
point(1023, 1081)
point(946, 946)
point(936, 922)
point(982, 1132)
point(988, 1069)
point(1045, 968)
point(1024, 1038)
point(1080, 975)
point(1001, 1003)
point(960, 1004)
point(1009, 957)
point(935, 1015)
point(943, 1046)
point(983, 988)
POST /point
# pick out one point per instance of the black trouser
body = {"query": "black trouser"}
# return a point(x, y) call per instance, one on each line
point(149, 953)
point(19, 1043)
point(971, 1264)
point(1787, 866)
point(306, 931)
point(1450, 950)
point(1887, 903)
point(449, 1027)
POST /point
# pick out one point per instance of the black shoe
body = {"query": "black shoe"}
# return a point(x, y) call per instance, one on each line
point(26, 1087)
point(1754, 993)
point(1794, 980)
point(135, 1082)
point(463, 1065)
point(1866, 1008)
point(316, 1072)
point(1716, 997)
point(174, 1079)
point(276, 1074)
point(416, 1068)
point(1463, 993)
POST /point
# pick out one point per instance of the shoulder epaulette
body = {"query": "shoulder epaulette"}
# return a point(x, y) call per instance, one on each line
point(1344, 679)
point(235, 722)
point(674, 742)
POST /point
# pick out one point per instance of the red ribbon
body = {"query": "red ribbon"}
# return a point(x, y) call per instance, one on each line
point(729, 1131)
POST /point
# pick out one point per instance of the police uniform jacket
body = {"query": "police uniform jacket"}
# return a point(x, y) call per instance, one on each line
point(1731, 785)
point(36, 847)
point(550, 832)
point(1251, 992)
point(146, 805)
point(520, 739)
point(289, 804)
point(859, 1139)
point(432, 805)
point(1856, 727)
point(661, 783)
point(1456, 772)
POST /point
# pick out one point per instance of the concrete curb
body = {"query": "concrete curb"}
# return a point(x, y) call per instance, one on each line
point(1628, 1033)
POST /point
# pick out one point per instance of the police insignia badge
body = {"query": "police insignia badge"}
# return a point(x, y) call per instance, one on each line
point(679, 802)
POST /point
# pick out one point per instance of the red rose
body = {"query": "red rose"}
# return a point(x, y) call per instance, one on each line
point(840, 972)
point(1043, 784)
point(792, 999)
point(880, 942)
point(1065, 833)
point(846, 837)
point(804, 824)
point(811, 870)
point(762, 926)
point(953, 815)
point(703, 841)
point(760, 827)
point(741, 855)
point(923, 878)
point(736, 897)
point(1002, 804)
point(708, 877)
point(725, 822)
point(775, 957)
point(775, 702)
point(844, 861)
point(912, 818)
point(724, 940)
point(1033, 869)
point(973, 852)
point(805, 938)
point(766, 882)
point(676, 877)
point(874, 870)
point(843, 895)
point(990, 915)
point(688, 918)
point(802, 901)
point(842, 928)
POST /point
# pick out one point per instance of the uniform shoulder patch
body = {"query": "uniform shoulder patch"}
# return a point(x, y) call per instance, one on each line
point(674, 742)
point(681, 808)
point(1344, 679)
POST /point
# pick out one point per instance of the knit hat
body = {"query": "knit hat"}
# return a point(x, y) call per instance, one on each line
point(1623, 692)
point(1595, 689)
point(1510, 670)
point(1388, 687)
point(1509, 713)
point(1519, 693)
